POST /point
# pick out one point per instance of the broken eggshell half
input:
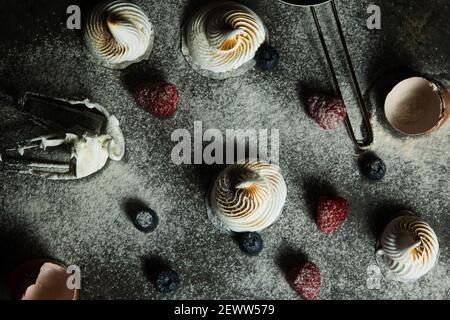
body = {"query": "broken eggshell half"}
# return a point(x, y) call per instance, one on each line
point(42, 279)
point(417, 106)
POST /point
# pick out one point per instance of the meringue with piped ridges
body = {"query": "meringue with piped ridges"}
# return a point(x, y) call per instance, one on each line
point(248, 197)
point(119, 33)
point(409, 248)
point(223, 36)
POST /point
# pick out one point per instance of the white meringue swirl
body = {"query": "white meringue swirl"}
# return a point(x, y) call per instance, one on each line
point(119, 34)
point(248, 197)
point(223, 36)
point(409, 248)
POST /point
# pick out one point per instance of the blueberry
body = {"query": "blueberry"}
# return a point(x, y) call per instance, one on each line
point(145, 220)
point(167, 281)
point(372, 167)
point(267, 57)
point(251, 243)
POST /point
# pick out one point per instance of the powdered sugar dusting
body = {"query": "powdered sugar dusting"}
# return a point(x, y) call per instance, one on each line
point(159, 98)
point(420, 148)
point(329, 112)
point(306, 280)
point(144, 219)
point(331, 212)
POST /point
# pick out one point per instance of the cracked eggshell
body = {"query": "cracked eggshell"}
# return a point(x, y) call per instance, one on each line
point(41, 280)
point(417, 106)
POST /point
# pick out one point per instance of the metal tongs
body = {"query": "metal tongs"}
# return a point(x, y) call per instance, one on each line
point(312, 4)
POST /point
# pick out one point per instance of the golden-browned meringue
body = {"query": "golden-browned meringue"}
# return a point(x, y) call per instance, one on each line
point(409, 248)
point(248, 197)
point(119, 33)
point(223, 36)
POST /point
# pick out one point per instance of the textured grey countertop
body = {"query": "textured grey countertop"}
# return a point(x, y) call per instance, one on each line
point(85, 222)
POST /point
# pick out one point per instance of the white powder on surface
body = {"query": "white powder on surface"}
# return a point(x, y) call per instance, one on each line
point(430, 147)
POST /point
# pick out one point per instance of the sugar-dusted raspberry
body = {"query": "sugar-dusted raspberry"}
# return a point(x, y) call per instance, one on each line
point(159, 98)
point(329, 112)
point(331, 212)
point(305, 279)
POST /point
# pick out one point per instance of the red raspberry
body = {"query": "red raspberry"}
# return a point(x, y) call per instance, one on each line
point(329, 112)
point(159, 98)
point(331, 212)
point(305, 280)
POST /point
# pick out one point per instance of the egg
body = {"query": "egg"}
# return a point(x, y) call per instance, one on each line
point(41, 280)
point(417, 106)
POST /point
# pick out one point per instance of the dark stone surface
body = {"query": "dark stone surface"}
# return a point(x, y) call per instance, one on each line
point(85, 222)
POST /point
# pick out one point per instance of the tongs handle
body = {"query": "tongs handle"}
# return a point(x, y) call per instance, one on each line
point(367, 141)
point(26, 165)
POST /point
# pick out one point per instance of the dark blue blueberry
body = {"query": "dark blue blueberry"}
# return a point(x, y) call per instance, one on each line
point(167, 281)
point(372, 167)
point(267, 57)
point(145, 220)
point(251, 243)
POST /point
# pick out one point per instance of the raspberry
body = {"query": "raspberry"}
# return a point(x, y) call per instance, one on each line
point(329, 112)
point(305, 280)
point(331, 212)
point(159, 98)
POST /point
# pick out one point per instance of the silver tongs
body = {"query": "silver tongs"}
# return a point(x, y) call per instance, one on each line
point(312, 4)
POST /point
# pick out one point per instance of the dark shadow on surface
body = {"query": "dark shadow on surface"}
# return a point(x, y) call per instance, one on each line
point(152, 266)
point(236, 237)
point(32, 26)
point(140, 74)
point(206, 174)
point(289, 259)
point(17, 247)
point(86, 5)
point(395, 61)
point(194, 5)
point(191, 7)
point(380, 88)
point(314, 188)
point(27, 22)
point(133, 205)
point(381, 214)
point(307, 89)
